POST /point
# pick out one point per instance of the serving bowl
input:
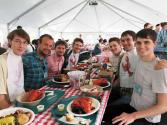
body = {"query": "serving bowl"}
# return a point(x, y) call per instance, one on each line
point(25, 98)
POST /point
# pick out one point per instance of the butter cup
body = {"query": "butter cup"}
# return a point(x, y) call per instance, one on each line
point(40, 108)
point(61, 107)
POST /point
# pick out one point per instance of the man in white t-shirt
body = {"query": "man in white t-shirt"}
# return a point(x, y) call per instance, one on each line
point(126, 70)
point(117, 52)
point(11, 68)
point(149, 98)
point(74, 56)
point(128, 62)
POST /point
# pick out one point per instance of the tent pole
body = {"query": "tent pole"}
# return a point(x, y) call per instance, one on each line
point(76, 15)
point(62, 14)
point(39, 32)
point(98, 22)
point(24, 13)
point(8, 29)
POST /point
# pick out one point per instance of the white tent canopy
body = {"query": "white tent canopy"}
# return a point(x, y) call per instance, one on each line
point(69, 18)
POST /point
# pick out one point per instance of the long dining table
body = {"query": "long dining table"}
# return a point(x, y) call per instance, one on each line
point(46, 117)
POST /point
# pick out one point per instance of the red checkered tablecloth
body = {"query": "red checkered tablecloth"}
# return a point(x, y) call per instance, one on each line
point(45, 118)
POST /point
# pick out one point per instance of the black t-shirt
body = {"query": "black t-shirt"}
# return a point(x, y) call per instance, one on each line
point(2, 50)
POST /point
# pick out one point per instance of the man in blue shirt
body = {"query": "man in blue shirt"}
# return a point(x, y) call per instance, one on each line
point(35, 64)
point(162, 35)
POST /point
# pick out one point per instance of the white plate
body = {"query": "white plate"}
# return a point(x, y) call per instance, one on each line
point(95, 103)
point(12, 110)
point(66, 82)
point(75, 121)
point(108, 84)
point(84, 61)
point(91, 89)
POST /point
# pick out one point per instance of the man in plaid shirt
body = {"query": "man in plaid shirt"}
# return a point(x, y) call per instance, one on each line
point(35, 64)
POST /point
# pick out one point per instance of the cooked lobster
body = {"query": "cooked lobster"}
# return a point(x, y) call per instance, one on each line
point(35, 95)
point(83, 103)
point(100, 82)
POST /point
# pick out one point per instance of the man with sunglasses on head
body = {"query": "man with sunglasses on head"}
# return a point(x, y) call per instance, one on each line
point(74, 56)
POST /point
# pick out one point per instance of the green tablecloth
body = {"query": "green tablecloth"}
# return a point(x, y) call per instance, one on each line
point(57, 114)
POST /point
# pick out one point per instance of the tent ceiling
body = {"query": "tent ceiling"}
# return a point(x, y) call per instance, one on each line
point(107, 16)
point(11, 9)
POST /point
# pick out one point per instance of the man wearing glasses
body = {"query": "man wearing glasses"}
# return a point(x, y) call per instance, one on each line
point(11, 68)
